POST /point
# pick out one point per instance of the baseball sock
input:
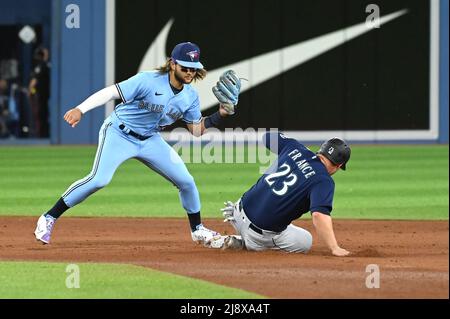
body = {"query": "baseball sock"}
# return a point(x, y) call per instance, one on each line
point(59, 209)
point(194, 220)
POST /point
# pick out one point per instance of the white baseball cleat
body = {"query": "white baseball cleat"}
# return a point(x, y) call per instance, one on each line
point(44, 228)
point(226, 242)
point(233, 242)
point(217, 242)
point(203, 235)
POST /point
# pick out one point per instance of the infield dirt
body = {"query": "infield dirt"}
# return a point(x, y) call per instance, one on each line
point(412, 256)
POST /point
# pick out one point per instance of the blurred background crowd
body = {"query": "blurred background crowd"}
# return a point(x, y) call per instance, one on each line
point(24, 96)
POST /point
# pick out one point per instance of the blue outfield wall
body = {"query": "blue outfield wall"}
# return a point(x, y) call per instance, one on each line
point(443, 74)
point(78, 69)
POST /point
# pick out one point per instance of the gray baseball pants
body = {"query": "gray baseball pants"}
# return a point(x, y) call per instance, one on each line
point(293, 239)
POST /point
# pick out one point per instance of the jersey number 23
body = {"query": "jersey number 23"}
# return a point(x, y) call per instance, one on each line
point(283, 171)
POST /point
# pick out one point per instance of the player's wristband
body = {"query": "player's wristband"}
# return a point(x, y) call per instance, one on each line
point(213, 120)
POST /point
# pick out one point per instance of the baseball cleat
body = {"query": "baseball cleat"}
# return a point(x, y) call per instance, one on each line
point(226, 242)
point(203, 235)
point(233, 242)
point(44, 228)
point(217, 242)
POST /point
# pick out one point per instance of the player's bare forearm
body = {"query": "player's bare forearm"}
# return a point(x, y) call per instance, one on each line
point(324, 228)
point(198, 129)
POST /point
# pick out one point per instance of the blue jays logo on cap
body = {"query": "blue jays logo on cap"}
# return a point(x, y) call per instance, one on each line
point(194, 55)
point(187, 54)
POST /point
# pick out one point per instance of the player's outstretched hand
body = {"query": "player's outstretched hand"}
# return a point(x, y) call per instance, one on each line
point(227, 212)
point(73, 116)
point(340, 252)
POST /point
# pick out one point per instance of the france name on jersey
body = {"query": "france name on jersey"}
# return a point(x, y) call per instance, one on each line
point(148, 103)
point(299, 184)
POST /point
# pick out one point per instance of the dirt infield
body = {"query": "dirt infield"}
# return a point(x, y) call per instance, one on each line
point(413, 256)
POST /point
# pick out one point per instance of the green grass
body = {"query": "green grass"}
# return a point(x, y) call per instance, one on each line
point(39, 280)
point(382, 182)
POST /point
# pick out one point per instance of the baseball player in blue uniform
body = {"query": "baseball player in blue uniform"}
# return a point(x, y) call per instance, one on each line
point(299, 182)
point(150, 101)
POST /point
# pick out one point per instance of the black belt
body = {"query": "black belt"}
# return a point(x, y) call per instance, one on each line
point(132, 133)
point(255, 229)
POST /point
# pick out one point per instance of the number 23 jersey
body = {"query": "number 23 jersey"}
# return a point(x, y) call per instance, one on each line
point(296, 183)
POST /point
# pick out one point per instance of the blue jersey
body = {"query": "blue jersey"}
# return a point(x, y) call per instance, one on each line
point(298, 184)
point(148, 103)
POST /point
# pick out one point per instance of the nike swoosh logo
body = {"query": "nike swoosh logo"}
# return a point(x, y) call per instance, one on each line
point(157, 94)
point(156, 53)
point(265, 66)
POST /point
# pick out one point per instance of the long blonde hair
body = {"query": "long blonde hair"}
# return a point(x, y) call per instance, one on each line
point(165, 68)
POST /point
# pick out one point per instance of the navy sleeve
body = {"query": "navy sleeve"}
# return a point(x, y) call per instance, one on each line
point(321, 197)
point(276, 141)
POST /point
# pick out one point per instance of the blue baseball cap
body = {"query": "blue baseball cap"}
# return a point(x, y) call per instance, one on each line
point(187, 54)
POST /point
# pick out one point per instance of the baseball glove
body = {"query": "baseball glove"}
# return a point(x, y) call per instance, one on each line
point(227, 90)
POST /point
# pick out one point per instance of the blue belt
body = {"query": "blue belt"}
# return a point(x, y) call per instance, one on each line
point(132, 133)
